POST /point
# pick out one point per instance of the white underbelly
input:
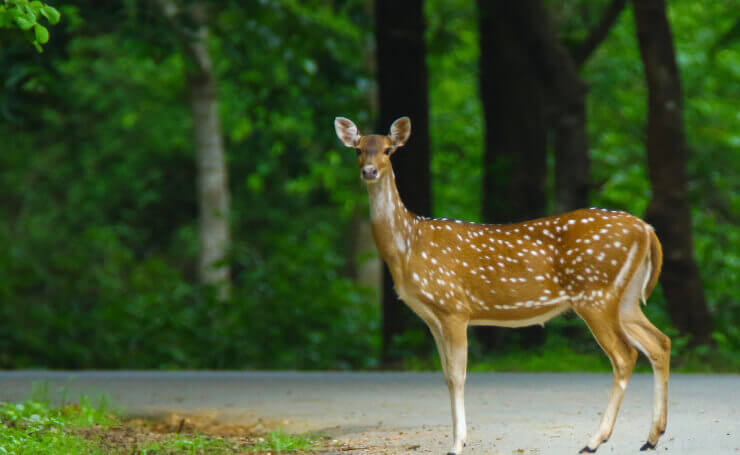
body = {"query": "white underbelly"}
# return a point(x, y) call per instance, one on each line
point(539, 319)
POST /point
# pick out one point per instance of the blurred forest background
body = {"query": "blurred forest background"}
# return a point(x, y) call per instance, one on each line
point(174, 195)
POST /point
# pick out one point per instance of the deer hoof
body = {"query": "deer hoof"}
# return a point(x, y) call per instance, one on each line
point(647, 446)
point(587, 449)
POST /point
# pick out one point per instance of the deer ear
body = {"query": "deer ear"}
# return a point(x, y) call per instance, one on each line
point(400, 131)
point(347, 131)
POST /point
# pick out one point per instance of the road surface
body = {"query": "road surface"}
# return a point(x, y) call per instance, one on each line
point(508, 413)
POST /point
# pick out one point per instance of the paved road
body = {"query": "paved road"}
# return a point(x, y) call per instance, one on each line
point(409, 412)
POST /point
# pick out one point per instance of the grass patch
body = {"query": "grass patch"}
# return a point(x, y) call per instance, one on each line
point(279, 441)
point(188, 444)
point(35, 426)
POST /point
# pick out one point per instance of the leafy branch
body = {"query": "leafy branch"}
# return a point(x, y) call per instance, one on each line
point(25, 15)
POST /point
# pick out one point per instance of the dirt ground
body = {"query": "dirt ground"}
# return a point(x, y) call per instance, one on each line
point(135, 433)
point(409, 412)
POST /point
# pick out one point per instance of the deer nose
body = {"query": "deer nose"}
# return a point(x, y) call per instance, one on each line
point(369, 172)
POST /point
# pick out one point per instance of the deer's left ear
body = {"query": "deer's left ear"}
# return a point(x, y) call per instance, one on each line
point(400, 131)
point(347, 131)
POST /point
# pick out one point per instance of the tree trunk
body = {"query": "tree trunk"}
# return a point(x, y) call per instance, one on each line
point(566, 93)
point(213, 189)
point(214, 199)
point(568, 116)
point(402, 90)
point(669, 210)
point(572, 161)
point(513, 98)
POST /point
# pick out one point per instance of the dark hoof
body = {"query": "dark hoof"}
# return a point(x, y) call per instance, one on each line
point(646, 446)
point(451, 453)
point(587, 449)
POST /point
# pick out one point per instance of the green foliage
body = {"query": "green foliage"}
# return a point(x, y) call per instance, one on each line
point(25, 15)
point(186, 445)
point(99, 216)
point(35, 426)
point(279, 441)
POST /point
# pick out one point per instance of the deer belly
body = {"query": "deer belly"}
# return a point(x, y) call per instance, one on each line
point(512, 307)
point(519, 317)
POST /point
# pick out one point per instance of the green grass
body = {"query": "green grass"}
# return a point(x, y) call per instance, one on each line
point(36, 427)
point(280, 441)
point(187, 444)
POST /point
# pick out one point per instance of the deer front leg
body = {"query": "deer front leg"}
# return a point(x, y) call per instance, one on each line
point(453, 347)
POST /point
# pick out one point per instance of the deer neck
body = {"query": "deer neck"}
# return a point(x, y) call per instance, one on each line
point(391, 221)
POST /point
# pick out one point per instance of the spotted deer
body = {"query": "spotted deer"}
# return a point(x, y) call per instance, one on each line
point(453, 274)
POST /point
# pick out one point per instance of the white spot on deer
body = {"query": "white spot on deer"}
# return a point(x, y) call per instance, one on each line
point(415, 276)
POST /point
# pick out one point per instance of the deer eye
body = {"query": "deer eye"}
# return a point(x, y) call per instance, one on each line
point(358, 151)
point(387, 151)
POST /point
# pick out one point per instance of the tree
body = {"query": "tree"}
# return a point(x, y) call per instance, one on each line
point(566, 100)
point(214, 200)
point(514, 100)
point(669, 210)
point(402, 90)
point(568, 114)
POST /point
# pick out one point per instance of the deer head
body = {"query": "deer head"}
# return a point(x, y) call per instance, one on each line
point(374, 150)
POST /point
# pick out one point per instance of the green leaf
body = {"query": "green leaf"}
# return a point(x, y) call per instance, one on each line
point(51, 13)
point(24, 23)
point(42, 34)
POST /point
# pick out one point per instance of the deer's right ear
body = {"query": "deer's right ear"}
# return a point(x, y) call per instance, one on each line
point(400, 131)
point(347, 131)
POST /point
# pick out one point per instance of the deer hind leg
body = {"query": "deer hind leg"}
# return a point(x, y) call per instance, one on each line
point(651, 342)
point(622, 355)
point(452, 342)
point(657, 347)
